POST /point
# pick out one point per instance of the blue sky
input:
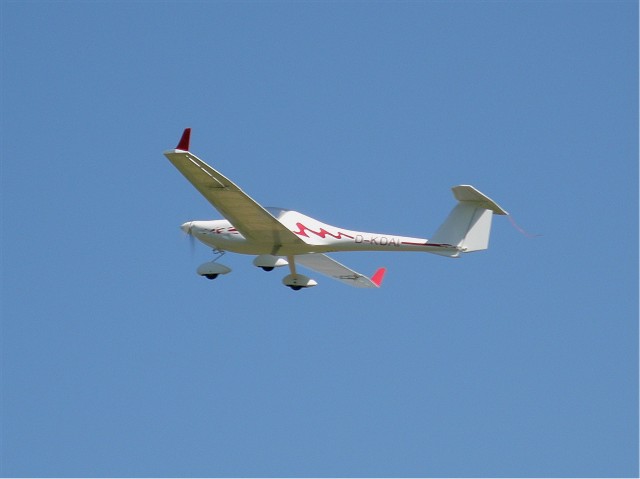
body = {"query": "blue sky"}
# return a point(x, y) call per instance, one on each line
point(117, 360)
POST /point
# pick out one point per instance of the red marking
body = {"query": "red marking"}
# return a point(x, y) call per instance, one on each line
point(229, 230)
point(184, 141)
point(522, 231)
point(416, 244)
point(378, 276)
point(302, 231)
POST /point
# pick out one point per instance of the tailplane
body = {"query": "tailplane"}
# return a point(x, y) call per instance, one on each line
point(469, 224)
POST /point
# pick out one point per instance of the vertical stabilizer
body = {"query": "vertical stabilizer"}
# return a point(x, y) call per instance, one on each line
point(468, 226)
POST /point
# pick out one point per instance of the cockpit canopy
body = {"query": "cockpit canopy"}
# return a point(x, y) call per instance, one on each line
point(276, 212)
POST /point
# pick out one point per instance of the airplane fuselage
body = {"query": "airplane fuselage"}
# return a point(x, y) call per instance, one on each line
point(317, 237)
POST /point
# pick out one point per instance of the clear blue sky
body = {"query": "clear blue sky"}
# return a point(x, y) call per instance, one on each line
point(117, 360)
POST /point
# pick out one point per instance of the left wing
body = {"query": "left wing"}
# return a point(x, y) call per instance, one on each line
point(244, 213)
point(323, 264)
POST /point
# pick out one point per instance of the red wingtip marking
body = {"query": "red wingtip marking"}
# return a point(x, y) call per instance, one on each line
point(184, 141)
point(378, 276)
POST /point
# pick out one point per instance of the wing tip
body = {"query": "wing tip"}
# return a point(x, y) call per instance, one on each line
point(184, 140)
point(378, 276)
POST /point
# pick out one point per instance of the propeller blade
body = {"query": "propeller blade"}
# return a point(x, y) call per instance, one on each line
point(187, 227)
point(192, 245)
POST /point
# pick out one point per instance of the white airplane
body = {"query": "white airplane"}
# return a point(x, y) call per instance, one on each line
point(279, 237)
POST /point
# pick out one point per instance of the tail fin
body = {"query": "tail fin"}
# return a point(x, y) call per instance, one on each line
point(469, 224)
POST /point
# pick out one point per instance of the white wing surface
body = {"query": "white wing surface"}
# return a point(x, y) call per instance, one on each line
point(323, 264)
point(245, 214)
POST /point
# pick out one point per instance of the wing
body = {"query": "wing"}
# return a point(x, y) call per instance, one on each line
point(323, 264)
point(244, 213)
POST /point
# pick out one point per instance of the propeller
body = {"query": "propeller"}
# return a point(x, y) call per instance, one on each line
point(187, 227)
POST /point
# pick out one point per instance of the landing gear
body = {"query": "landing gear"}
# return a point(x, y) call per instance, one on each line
point(268, 262)
point(212, 270)
point(297, 281)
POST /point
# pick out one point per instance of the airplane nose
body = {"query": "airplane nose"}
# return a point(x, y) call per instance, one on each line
point(186, 227)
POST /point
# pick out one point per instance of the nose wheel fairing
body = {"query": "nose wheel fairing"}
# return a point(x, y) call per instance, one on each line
point(211, 270)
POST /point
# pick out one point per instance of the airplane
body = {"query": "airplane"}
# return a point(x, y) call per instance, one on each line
point(278, 237)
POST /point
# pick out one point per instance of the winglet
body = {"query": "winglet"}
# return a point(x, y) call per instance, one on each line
point(184, 141)
point(378, 276)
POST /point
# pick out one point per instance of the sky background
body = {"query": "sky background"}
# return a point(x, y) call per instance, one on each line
point(118, 360)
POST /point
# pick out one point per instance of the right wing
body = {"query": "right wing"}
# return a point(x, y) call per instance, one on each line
point(244, 213)
point(323, 264)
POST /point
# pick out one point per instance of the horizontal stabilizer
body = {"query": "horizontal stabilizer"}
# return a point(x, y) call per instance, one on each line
point(468, 194)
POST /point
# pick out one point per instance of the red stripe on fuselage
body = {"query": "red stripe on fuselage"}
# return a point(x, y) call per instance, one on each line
point(302, 231)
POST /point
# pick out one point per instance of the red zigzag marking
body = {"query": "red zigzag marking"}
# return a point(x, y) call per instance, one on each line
point(302, 231)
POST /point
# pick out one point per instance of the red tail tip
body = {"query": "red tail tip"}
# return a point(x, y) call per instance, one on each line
point(378, 276)
point(184, 141)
